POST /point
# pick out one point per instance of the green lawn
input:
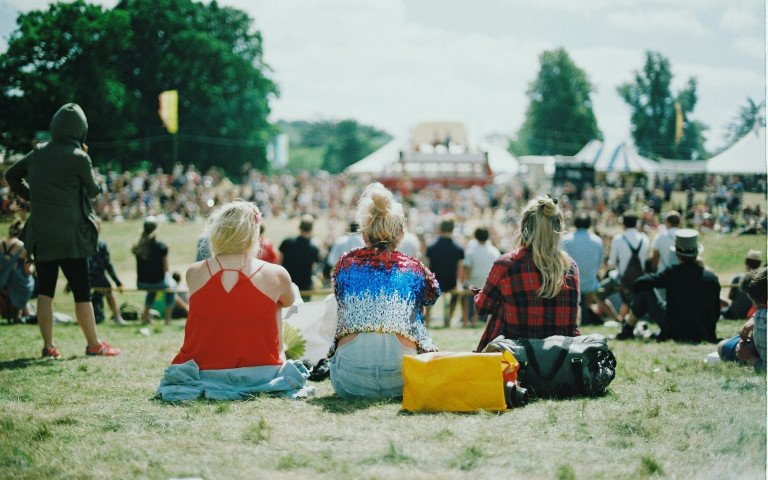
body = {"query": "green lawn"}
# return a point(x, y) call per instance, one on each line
point(667, 414)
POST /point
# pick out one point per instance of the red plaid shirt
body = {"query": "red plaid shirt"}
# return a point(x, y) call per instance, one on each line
point(509, 295)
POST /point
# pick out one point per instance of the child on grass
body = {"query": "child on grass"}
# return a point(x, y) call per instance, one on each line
point(749, 346)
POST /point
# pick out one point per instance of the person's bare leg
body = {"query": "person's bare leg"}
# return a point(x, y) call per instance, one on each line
point(464, 311)
point(451, 309)
point(168, 312)
point(611, 309)
point(113, 306)
point(87, 320)
point(145, 320)
point(45, 319)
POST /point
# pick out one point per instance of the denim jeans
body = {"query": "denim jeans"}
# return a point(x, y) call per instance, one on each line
point(369, 366)
point(152, 288)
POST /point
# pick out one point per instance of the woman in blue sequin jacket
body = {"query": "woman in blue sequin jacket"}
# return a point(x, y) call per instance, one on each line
point(381, 295)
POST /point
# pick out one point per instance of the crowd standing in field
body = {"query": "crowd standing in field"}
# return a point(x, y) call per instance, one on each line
point(528, 287)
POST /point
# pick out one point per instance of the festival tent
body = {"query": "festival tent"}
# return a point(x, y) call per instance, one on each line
point(746, 156)
point(378, 161)
point(615, 157)
point(499, 159)
point(385, 159)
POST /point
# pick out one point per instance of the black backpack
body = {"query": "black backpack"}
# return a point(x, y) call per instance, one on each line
point(634, 269)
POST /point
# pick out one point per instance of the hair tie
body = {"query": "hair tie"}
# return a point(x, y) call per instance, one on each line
point(256, 215)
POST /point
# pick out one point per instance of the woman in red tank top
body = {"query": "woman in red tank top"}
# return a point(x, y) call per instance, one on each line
point(235, 299)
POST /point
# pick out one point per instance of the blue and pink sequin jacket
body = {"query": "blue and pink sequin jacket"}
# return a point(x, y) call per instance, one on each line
point(383, 291)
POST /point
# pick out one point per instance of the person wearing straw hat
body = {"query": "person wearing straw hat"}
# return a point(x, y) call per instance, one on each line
point(692, 307)
point(739, 304)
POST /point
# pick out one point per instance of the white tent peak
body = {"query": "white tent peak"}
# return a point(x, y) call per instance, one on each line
point(614, 156)
point(746, 156)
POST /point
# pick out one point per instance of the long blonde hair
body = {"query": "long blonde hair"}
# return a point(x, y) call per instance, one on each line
point(234, 228)
point(540, 231)
point(381, 218)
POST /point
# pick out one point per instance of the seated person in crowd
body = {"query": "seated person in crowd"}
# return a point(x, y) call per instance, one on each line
point(151, 269)
point(232, 340)
point(739, 303)
point(692, 307)
point(532, 292)
point(16, 269)
point(381, 294)
point(749, 345)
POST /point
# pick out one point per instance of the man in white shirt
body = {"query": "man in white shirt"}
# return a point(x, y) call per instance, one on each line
point(619, 258)
point(478, 261)
point(662, 256)
point(343, 244)
point(586, 249)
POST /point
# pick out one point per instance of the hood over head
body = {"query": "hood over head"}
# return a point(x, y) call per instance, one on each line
point(69, 124)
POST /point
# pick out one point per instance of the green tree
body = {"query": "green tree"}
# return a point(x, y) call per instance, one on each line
point(750, 116)
point(349, 142)
point(115, 63)
point(67, 53)
point(654, 112)
point(559, 119)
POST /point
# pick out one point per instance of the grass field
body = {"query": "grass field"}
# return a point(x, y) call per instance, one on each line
point(667, 414)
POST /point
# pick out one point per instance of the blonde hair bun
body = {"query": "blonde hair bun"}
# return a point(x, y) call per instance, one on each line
point(381, 218)
point(548, 206)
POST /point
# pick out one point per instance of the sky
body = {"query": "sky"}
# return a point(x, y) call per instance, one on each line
point(395, 63)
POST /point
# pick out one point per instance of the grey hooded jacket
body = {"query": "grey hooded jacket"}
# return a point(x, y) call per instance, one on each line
point(57, 178)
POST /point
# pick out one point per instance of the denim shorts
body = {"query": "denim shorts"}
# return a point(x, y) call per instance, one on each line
point(728, 352)
point(152, 288)
point(369, 366)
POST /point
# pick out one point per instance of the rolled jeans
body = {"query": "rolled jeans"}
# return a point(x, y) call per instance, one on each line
point(152, 288)
point(369, 366)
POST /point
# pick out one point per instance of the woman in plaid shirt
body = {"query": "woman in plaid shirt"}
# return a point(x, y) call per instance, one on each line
point(532, 292)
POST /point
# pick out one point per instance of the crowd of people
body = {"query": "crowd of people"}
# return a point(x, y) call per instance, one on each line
point(522, 274)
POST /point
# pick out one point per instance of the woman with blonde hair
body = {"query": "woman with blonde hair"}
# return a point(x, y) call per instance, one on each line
point(232, 340)
point(532, 292)
point(381, 295)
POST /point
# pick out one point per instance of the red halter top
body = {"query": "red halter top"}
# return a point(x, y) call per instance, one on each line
point(230, 329)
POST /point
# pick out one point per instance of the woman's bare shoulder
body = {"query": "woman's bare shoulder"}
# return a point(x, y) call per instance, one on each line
point(197, 274)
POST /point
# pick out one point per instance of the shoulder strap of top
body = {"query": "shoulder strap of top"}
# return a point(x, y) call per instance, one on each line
point(209, 267)
point(257, 270)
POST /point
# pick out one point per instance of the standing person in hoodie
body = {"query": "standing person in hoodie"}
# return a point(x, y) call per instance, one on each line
point(57, 179)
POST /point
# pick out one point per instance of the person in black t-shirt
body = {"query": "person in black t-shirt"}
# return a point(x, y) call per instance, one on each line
point(151, 267)
point(300, 256)
point(446, 261)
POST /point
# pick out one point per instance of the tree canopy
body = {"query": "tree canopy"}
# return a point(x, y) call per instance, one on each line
point(751, 115)
point(655, 112)
point(116, 62)
point(559, 119)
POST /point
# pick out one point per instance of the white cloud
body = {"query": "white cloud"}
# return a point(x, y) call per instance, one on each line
point(655, 21)
point(750, 46)
point(738, 20)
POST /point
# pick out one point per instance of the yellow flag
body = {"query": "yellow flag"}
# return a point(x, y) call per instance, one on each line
point(169, 110)
point(678, 122)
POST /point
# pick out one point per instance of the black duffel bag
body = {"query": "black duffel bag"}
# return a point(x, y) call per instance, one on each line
point(559, 366)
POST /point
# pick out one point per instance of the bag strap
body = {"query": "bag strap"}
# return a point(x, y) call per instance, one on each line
point(531, 354)
point(578, 372)
point(634, 251)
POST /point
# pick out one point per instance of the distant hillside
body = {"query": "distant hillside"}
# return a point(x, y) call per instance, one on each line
point(329, 145)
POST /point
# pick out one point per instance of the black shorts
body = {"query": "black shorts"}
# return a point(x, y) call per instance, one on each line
point(75, 271)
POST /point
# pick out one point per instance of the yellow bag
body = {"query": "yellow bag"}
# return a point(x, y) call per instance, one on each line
point(456, 382)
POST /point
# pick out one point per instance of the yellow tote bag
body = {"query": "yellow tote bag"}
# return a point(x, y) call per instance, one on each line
point(455, 382)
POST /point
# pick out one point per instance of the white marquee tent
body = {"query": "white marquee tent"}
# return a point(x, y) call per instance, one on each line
point(615, 157)
point(746, 156)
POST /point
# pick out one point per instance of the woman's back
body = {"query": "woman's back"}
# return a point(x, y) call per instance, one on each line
point(232, 322)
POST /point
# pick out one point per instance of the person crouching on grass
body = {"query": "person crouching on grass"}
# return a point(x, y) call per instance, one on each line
point(749, 346)
point(233, 337)
point(532, 292)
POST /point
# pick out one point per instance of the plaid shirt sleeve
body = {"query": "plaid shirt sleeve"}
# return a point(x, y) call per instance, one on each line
point(487, 301)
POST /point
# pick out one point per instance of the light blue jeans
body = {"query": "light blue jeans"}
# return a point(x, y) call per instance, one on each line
point(370, 366)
